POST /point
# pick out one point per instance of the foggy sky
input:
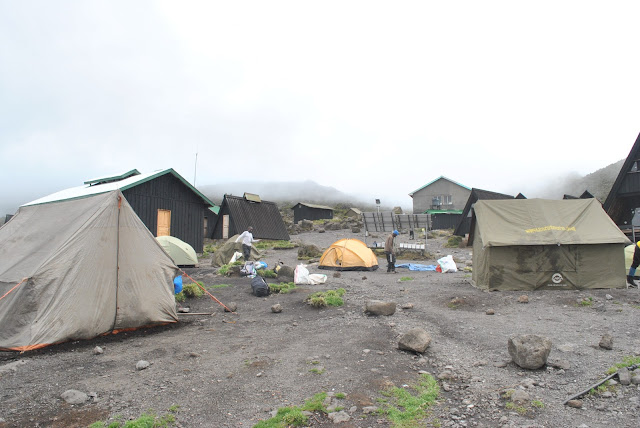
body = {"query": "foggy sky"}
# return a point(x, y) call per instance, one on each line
point(372, 98)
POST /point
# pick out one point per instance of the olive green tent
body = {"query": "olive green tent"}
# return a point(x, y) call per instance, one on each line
point(527, 244)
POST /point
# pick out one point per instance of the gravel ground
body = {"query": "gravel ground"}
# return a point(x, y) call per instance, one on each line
point(217, 369)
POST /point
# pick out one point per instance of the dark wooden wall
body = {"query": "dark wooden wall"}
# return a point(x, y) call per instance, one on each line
point(445, 221)
point(169, 193)
point(302, 212)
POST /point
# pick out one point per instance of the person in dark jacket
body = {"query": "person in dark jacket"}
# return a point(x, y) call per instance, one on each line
point(390, 251)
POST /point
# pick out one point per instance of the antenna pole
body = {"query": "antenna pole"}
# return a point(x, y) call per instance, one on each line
point(195, 169)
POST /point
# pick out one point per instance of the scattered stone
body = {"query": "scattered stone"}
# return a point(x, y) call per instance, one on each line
point(490, 312)
point(519, 396)
point(73, 396)
point(277, 308)
point(416, 340)
point(98, 350)
point(576, 404)
point(142, 364)
point(635, 379)
point(523, 299)
point(194, 355)
point(369, 409)
point(378, 307)
point(624, 376)
point(337, 274)
point(529, 351)
point(231, 307)
point(183, 310)
point(606, 342)
point(339, 417)
point(480, 363)
point(407, 306)
point(456, 301)
point(559, 364)
point(600, 307)
point(606, 394)
point(446, 375)
point(608, 297)
point(364, 278)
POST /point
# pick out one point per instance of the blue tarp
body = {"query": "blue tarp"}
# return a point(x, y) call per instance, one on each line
point(413, 266)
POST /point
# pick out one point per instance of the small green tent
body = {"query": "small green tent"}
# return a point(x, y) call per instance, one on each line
point(180, 252)
point(526, 244)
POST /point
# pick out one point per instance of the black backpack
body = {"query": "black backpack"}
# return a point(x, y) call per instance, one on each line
point(259, 287)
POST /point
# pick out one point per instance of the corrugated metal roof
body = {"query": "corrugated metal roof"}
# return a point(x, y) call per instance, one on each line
point(127, 183)
point(264, 217)
point(113, 177)
point(321, 207)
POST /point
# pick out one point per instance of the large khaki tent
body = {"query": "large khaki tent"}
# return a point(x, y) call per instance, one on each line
point(348, 254)
point(79, 268)
point(224, 254)
point(526, 244)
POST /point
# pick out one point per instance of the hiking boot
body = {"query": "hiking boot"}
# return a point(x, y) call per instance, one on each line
point(631, 282)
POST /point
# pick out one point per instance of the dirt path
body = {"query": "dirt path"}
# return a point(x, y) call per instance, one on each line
point(232, 370)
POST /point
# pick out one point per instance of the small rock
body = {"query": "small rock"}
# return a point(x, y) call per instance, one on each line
point(378, 307)
point(183, 310)
point(98, 350)
point(231, 307)
point(339, 417)
point(416, 340)
point(73, 396)
point(364, 278)
point(277, 308)
point(142, 364)
point(559, 364)
point(624, 376)
point(519, 396)
point(529, 351)
point(606, 342)
point(337, 274)
point(194, 355)
point(369, 409)
point(576, 404)
point(490, 312)
point(608, 297)
point(635, 379)
point(523, 299)
point(407, 306)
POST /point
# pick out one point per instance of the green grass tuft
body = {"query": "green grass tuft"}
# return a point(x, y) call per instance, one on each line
point(408, 406)
point(282, 288)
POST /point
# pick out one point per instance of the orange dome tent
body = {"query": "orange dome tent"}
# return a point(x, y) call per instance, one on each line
point(348, 254)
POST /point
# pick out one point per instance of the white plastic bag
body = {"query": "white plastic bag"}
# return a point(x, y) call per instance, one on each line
point(235, 257)
point(447, 264)
point(301, 275)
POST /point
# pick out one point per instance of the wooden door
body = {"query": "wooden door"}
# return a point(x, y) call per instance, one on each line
point(164, 223)
point(225, 226)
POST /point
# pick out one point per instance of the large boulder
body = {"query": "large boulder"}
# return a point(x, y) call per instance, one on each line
point(305, 225)
point(529, 351)
point(416, 340)
point(308, 252)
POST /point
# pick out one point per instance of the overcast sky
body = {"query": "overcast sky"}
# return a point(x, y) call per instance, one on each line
point(373, 98)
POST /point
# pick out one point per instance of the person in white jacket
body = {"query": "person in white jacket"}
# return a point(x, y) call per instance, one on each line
point(247, 239)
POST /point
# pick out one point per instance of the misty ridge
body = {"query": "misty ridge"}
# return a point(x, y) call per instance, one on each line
point(598, 183)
